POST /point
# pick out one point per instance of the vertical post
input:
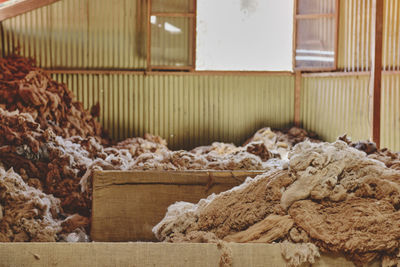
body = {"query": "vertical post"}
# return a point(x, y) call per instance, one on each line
point(3, 44)
point(297, 81)
point(376, 71)
point(194, 36)
point(337, 14)
point(148, 36)
point(297, 100)
point(294, 43)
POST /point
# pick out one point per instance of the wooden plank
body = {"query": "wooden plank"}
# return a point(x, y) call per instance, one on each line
point(173, 15)
point(337, 17)
point(148, 254)
point(94, 71)
point(16, 8)
point(167, 72)
point(315, 16)
point(148, 43)
point(202, 73)
point(294, 35)
point(376, 70)
point(170, 67)
point(126, 205)
point(336, 74)
point(230, 72)
point(194, 36)
point(297, 98)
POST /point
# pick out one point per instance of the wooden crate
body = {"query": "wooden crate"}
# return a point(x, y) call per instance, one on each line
point(147, 254)
point(126, 205)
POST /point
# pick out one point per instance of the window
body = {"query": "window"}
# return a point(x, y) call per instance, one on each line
point(245, 35)
point(171, 34)
point(242, 35)
point(316, 26)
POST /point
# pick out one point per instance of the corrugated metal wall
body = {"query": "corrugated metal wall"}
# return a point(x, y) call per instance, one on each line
point(355, 35)
point(333, 106)
point(390, 111)
point(110, 34)
point(391, 35)
point(187, 110)
point(87, 34)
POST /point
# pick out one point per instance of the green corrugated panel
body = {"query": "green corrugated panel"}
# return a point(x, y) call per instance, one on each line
point(391, 35)
point(187, 110)
point(354, 35)
point(335, 106)
point(390, 111)
point(95, 34)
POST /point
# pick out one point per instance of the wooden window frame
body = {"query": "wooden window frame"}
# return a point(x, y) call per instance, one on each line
point(297, 17)
point(193, 15)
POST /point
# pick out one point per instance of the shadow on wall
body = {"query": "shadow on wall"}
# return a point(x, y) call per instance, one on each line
point(203, 137)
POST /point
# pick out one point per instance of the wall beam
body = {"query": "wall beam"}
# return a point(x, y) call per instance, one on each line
point(376, 71)
point(12, 9)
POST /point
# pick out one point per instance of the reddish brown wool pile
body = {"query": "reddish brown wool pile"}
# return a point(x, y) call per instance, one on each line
point(54, 145)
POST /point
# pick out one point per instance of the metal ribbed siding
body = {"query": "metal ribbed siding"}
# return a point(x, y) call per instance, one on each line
point(390, 112)
point(335, 106)
point(355, 35)
point(391, 35)
point(80, 34)
point(187, 110)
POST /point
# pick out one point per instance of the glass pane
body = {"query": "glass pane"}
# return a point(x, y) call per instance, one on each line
point(172, 6)
point(315, 43)
point(171, 41)
point(316, 6)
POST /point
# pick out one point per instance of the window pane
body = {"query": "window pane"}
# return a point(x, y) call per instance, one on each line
point(245, 35)
point(172, 6)
point(316, 6)
point(171, 41)
point(315, 43)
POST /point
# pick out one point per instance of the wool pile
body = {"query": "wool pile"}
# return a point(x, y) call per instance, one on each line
point(29, 89)
point(331, 196)
point(281, 141)
point(63, 167)
point(49, 141)
point(26, 213)
point(389, 158)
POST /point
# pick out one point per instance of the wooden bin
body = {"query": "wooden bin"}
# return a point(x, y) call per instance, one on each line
point(148, 254)
point(126, 205)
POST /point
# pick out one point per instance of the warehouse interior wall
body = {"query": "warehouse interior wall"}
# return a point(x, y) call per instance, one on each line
point(186, 109)
point(190, 109)
point(333, 106)
point(336, 104)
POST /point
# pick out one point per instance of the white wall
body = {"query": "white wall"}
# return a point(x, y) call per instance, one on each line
point(244, 35)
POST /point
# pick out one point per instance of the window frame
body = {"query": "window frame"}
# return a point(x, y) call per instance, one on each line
point(297, 17)
point(192, 15)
